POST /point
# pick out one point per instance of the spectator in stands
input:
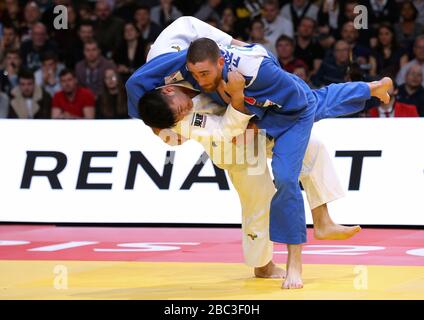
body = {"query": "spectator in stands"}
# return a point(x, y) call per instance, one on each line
point(131, 54)
point(394, 109)
point(73, 101)
point(210, 9)
point(418, 59)
point(149, 30)
point(412, 92)
point(9, 75)
point(275, 24)
point(12, 15)
point(326, 42)
point(90, 71)
point(296, 10)
point(67, 39)
point(112, 103)
point(302, 72)
point(85, 34)
point(329, 17)
point(360, 53)
point(382, 11)
point(4, 105)
point(307, 48)
point(32, 15)
point(108, 29)
point(124, 9)
point(31, 50)
point(334, 67)
point(388, 57)
point(347, 11)
point(257, 35)
point(85, 12)
point(47, 76)
point(165, 13)
point(408, 29)
point(285, 54)
point(9, 41)
point(229, 23)
point(29, 101)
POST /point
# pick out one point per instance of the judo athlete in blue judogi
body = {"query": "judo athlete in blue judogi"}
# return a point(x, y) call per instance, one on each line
point(284, 106)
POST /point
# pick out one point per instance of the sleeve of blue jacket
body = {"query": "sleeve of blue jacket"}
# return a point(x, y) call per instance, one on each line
point(274, 86)
point(152, 75)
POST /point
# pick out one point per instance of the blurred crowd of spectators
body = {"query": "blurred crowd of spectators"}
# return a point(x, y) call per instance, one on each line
point(80, 72)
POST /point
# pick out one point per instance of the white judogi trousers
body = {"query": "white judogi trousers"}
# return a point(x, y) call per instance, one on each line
point(318, 178)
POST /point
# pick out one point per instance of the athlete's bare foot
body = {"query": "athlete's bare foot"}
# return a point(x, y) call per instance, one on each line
point(293, 280)
point(270, 270)
point(335, 232)
point(294, 268)
point(326, 229)
point(381, 89)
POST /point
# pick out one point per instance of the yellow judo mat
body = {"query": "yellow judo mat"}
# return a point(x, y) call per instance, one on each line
point(206, 281)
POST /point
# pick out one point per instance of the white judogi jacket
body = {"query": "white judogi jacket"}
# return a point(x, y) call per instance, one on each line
point(209, 119)
point(214, 127)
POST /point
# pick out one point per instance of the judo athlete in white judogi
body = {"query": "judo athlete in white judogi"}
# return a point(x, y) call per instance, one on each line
point(255, 191)
point(213, 126)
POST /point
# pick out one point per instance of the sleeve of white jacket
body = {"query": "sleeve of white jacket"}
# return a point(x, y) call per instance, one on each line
point(225, 127)
point(179, 34)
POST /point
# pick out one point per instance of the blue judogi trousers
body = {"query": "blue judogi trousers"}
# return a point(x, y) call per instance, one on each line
point(287, 215)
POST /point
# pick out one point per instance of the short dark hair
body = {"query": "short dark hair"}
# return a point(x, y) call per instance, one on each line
point(142, 7)
point(154, 110)
point(49, 55)
point(306, 18)
point(87, 23)
point(89, 42)
point(274, 3)
point(285, 38)
point(26, 74)
point(132, 23)
point(12, 51)
point(203, 49)
point(12, 27)
point(256, 20)
point(66, 71)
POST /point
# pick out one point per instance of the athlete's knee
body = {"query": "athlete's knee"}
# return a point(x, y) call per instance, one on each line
point(285, 179)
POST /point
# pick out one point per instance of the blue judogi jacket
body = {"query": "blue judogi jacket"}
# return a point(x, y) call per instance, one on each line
point(276, 97)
